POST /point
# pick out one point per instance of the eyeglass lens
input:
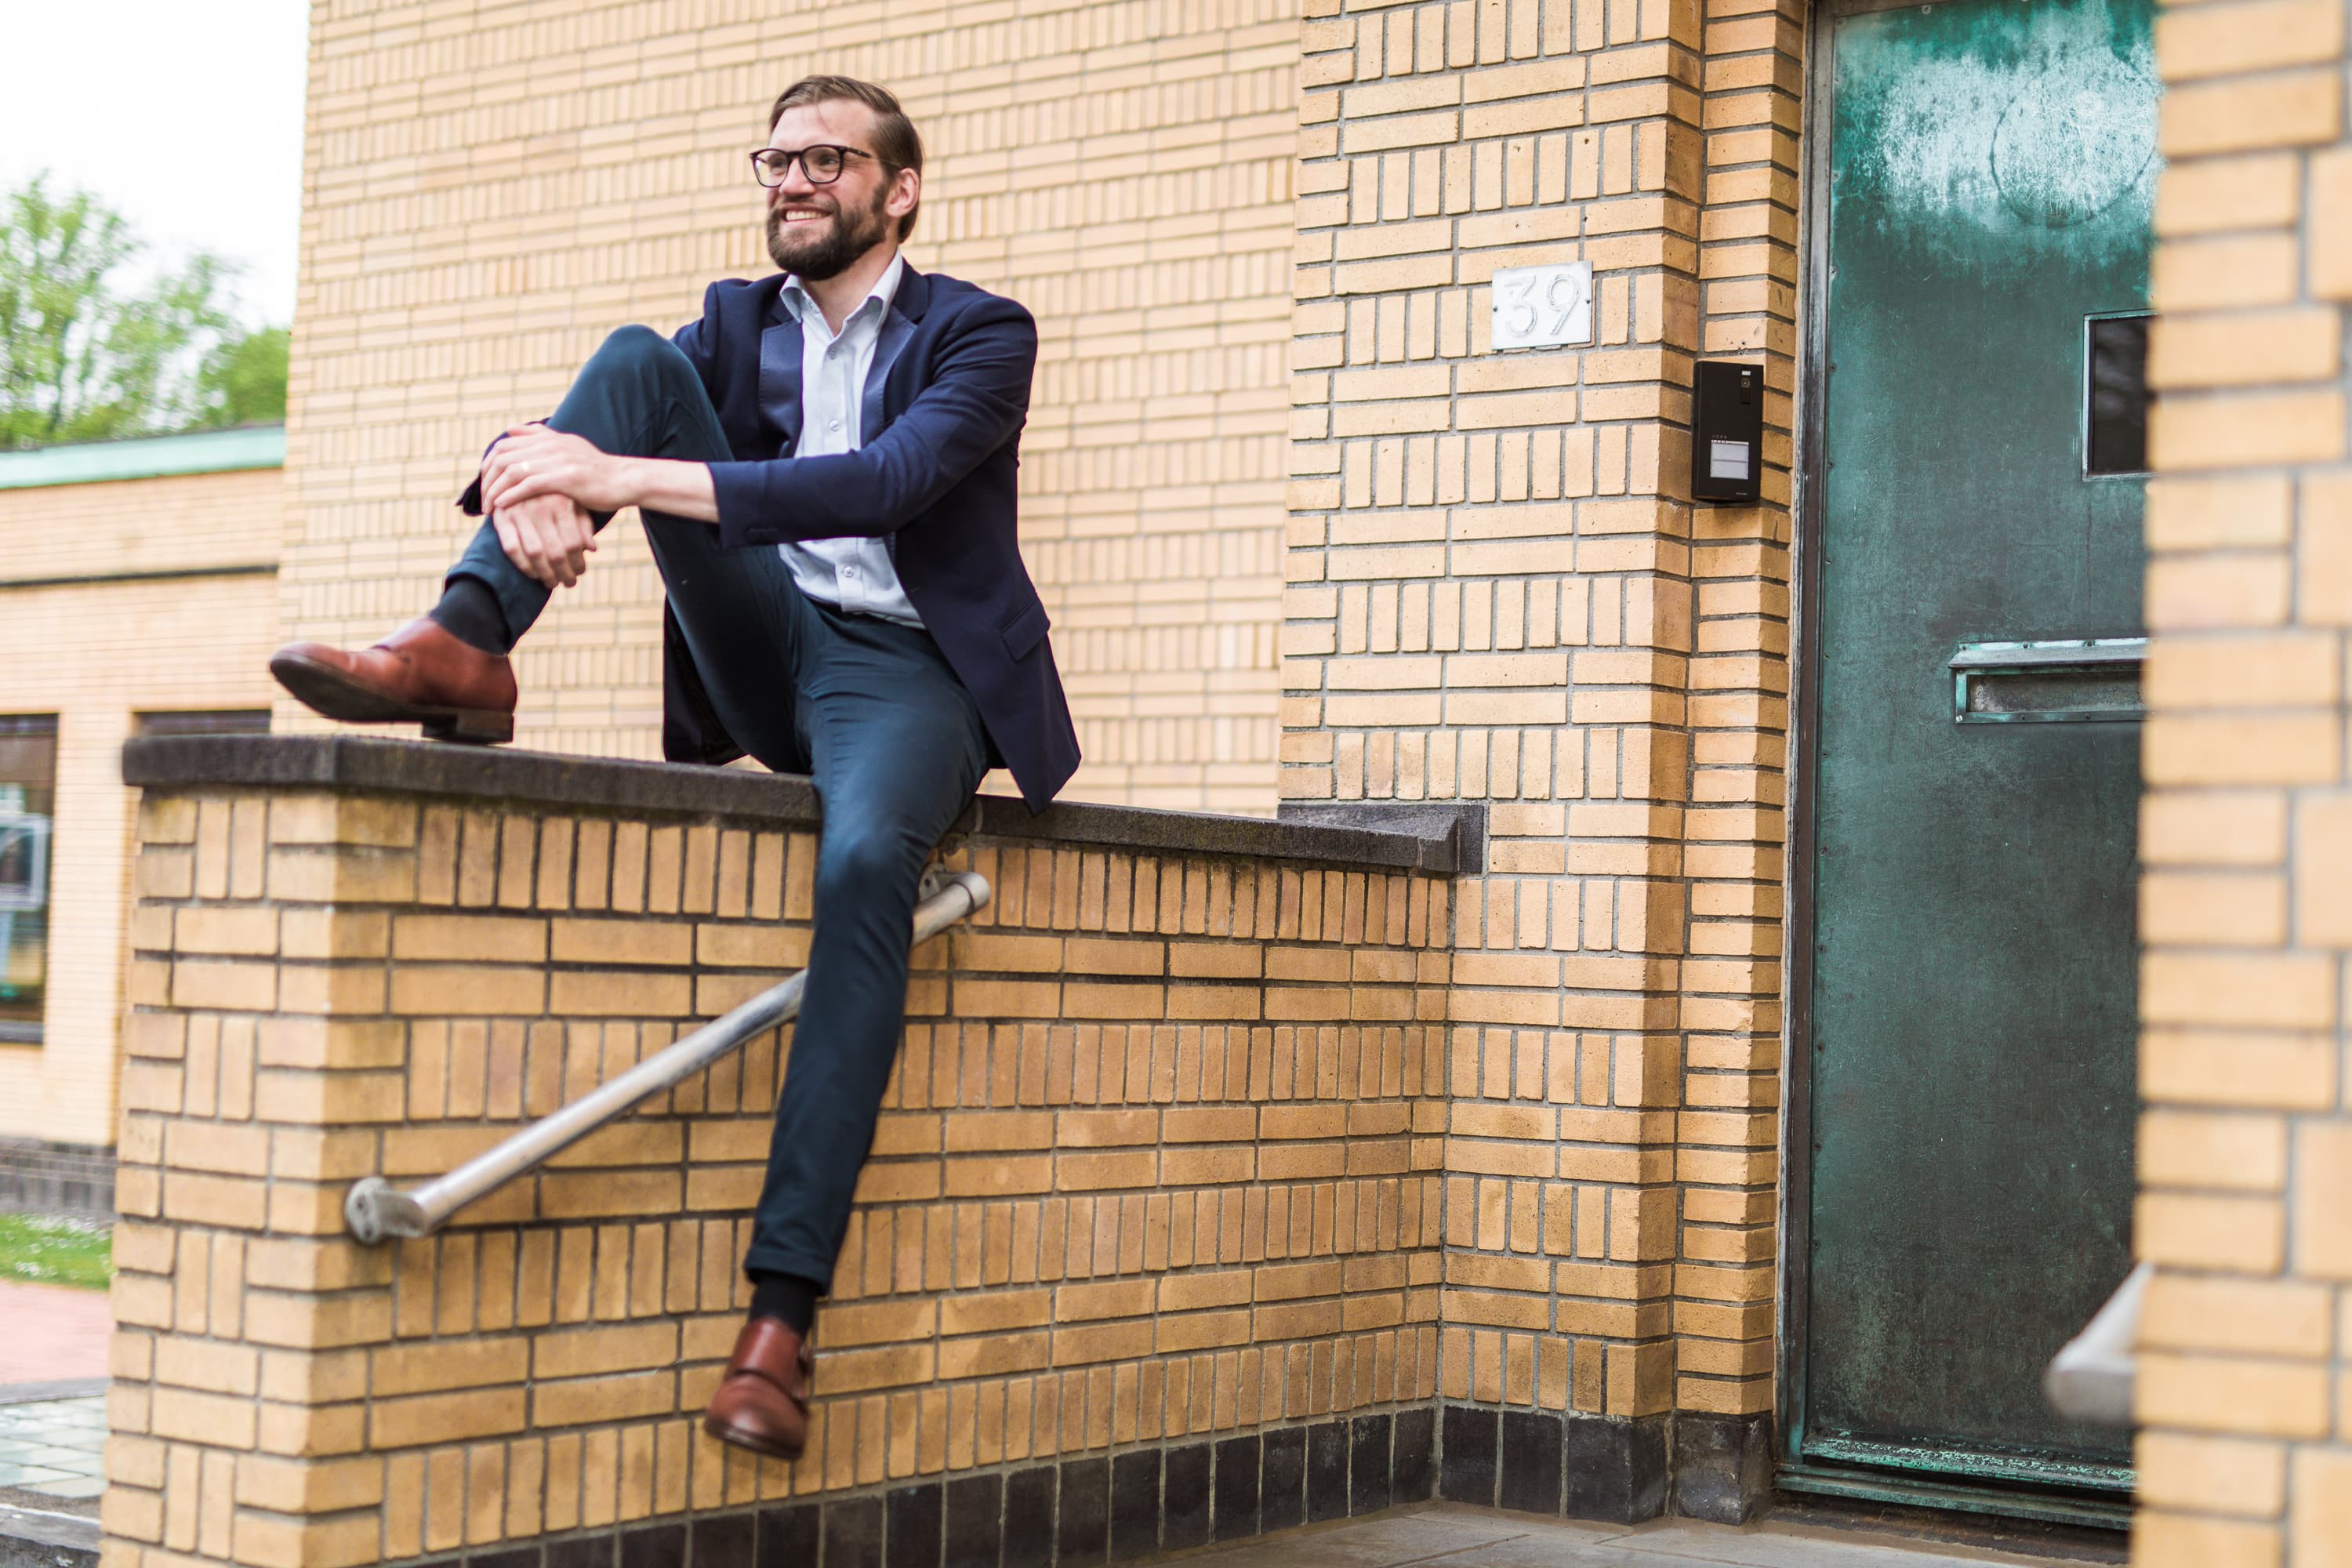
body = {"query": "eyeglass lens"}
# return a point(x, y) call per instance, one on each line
point(821, 164)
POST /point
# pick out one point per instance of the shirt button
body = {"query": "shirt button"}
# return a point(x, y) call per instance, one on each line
point(836, 424)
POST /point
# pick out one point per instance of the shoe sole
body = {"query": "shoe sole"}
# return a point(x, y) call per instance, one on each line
point(337, 696)
point(753, 1441)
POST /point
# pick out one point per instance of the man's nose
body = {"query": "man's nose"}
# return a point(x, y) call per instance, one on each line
point(796, 182)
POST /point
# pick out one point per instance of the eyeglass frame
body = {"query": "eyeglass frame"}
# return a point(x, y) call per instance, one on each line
point(799, 155)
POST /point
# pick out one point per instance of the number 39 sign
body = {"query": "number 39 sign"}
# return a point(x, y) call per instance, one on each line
point(1543, 307)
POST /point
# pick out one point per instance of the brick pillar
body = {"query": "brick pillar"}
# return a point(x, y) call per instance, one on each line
point(1500, 591)
point(2245, 1149)
point(255, 1071)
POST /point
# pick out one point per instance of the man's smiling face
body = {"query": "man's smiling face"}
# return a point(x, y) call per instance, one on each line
point(818, 231)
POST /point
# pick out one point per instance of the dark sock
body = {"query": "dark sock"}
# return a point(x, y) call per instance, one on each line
point(784, 1296)
point(469, 612)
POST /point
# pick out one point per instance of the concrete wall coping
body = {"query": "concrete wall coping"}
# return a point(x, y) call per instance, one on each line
point(1441, 837)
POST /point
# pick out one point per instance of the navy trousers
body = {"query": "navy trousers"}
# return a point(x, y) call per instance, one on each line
point(867, 707)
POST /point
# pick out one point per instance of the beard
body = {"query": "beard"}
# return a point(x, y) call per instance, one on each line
point(824, 247)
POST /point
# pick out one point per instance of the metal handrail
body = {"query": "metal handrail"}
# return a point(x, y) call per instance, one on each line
point(376, 1211)
point(2091, 1378)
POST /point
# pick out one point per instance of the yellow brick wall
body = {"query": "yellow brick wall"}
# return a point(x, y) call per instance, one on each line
point(1498, 590)
point(94, 654)
point(1157, 1161)
point(488, 194)
point(2245, 1391)
point(173, 522)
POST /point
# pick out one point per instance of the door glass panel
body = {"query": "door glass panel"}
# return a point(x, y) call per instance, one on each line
point(2115, 369)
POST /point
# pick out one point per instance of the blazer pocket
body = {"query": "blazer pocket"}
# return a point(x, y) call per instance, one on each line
point(1025, 631)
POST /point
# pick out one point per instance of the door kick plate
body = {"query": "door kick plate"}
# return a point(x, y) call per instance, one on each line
point(2090, 680)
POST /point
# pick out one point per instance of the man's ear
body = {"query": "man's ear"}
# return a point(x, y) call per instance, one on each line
point(905, 191)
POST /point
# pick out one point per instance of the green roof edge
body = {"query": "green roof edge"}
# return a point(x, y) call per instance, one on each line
point(147, 458)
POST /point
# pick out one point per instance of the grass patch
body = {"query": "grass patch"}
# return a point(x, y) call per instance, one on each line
point(41, 1250)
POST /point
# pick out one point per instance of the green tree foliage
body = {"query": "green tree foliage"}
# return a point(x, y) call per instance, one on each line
point(84, 358)
point(243, 379)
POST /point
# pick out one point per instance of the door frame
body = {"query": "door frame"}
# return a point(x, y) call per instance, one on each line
point(1792, 1471)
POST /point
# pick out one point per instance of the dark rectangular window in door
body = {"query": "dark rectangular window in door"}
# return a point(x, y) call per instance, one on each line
point(2115, 390)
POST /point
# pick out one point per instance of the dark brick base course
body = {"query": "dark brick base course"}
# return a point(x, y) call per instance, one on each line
point(1097, 1510)
point(1065, 1515)
point(1723, 1467)
point(1542, 1461)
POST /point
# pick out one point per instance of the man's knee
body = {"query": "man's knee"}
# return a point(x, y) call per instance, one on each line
point(860, 862)
point(640, 351)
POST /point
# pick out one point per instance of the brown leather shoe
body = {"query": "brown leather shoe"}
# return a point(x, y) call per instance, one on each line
point(763, 1401)
point(421, 674)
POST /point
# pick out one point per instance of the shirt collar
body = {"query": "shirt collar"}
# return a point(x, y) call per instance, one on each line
point(797, 300)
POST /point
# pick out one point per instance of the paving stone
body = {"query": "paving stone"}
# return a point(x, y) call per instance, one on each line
point(1461, 1536)
point(76, 1489)
point(55, 1448)
point(31, 1476)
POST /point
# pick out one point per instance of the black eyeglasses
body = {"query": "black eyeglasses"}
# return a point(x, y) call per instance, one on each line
point(823, 165)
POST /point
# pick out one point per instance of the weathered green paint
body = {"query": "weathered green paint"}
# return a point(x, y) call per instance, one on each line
point(1972, 999)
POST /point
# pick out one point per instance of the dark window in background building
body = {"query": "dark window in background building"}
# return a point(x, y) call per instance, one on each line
point(209, 722)
point(28, 794)
point(2118, 375)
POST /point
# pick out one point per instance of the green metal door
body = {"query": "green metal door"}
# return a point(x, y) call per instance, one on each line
point(1967, 1016)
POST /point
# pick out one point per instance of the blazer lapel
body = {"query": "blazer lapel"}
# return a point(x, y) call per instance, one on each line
point(779, 379)
point(907, 308)
point(873, 412)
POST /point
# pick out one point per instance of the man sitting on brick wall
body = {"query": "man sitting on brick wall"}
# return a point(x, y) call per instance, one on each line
point(825, 465)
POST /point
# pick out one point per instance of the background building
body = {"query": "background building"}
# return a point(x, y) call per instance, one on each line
point(139, 597)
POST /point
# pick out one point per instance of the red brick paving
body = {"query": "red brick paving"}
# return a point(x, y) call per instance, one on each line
point(53, 1332)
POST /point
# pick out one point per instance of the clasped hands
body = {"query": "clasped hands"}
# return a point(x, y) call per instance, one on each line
point(539, 486)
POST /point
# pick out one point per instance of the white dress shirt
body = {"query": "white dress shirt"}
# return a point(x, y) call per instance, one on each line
point(854, 573)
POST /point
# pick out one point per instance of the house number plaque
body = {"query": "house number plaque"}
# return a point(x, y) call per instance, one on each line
point(1543, 307)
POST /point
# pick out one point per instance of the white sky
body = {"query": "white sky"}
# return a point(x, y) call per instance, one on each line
point(183, 115)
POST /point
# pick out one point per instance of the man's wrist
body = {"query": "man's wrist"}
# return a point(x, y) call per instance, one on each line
point(678, 487)
point(635, 480)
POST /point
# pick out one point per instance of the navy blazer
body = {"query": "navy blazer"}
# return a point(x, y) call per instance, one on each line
point(940, 424)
